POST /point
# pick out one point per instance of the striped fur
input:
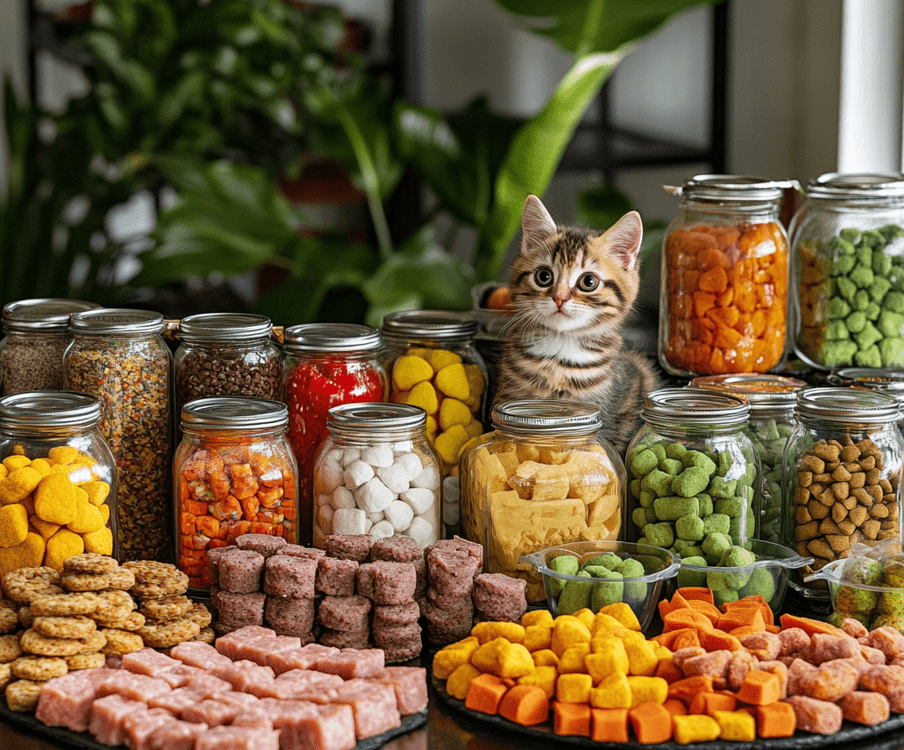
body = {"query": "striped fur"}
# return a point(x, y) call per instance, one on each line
point(564, 340)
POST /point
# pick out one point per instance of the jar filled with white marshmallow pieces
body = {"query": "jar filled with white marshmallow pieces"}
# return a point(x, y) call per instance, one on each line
point(377, 474)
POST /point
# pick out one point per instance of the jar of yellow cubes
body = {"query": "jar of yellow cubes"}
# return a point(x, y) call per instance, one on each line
point(543, 478)
point(57, 480)
point(434, 364)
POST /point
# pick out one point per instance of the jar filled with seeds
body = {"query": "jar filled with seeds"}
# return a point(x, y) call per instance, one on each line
point(870, 379)
point(327, 364)
point(772, 399)
point(36, 335)
point(120, 357)
point(847, 244)
point(544, 477)
point(842, 474)
point(434, 364)
point(693, 471)
point(377, 474)
point(57, 480)
point(234, 474)
point(226, 354)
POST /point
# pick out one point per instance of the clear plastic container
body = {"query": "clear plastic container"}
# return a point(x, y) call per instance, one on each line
point(36, 335)
point(119, 357)
point(543, 478)
point(874, 605)
point(724, 291)
point(377, 474)
point(693, 471)
point(58, 485)
point(847, 243)
point(841, 480)
point(235, 474)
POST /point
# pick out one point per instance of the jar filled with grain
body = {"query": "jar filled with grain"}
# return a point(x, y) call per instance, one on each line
point(226, 354)
point(233, 474)
point(377, 474)
point(842, 476)
point(58, 490)
point(36, 333)
point(544, 477)
point(119, 356)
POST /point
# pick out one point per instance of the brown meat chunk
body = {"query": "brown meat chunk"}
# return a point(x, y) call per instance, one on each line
point(865, 708)
point(854, 628)
point(765, 646)
point(882, 678)
point(741, 663)
point(816, 716)
point(824, 647)
point(714, 664)
point(793, 641)
point(832, 681)
point(888, 640)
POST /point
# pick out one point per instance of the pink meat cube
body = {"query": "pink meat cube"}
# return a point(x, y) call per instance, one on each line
point(793, 640)
point(352, 662)
point(816, 716)
point(831, 681)
point(779, 670)
point(200, 655)
point(764, 646)
point(225, 644)
point(107, 715)
point(238, 738)
point(139, 726)
point(714, 664)
point(865, 708)
point(211, 712)
point(149, 662)
point(176, 701)
point(824, 647)
point(882, 678)
point(888, 640)
point(303, 658)
point(66, 704)
point(256, 717)
point(872, 655)
point(331, 728)
point(245, 674)
point(260, 649)
point(137, 687)
point(291, 685)
point(243, 701)
point(409, 684)
point(290, 616)
point(176, 735)
point(373, 705)
point(207, 684)
point(177, 677)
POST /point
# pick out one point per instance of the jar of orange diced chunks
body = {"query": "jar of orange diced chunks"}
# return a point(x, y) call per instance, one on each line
point(724, 294)
point(234, 473)
point(57, 480)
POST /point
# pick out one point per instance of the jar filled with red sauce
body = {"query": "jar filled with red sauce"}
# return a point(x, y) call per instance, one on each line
point(326, 364)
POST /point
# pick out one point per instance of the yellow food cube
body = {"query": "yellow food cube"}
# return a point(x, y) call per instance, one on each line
point(603, 622)
point(542, 677)
point(647, 689)
point(88, 518)
point(99, 542)
point(63, 454)
point(586, 616)
point(642, 657)
point(4, 472)
point(537, 617)
point(460, 680)
point(503, 659)
point(537, 637)
point(44, 528)
point(431, 428)
point(612, 692)
point(545, 658)
point(42, 466)
point(695, 728)
point(474, 428)
point(609, 656)
point(440, 358)
point(13, 525)
point(623, 613)
point(573, 688)
point(18, 484)
point(488, 631)
point(29, 554)
point(736, 726)
point(453, 382)
point(567, 631)
point(97, 491)
point(572, 659)
point(424, 395)
point(448, 659)
point(15, 462)
point(449, 444)
point(56, 499)
point(408, 371)
point(63, 544)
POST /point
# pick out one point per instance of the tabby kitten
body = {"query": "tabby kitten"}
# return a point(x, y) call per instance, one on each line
point(572, 289)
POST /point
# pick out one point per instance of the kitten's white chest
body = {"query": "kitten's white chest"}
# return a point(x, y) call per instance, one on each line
point(561, 347)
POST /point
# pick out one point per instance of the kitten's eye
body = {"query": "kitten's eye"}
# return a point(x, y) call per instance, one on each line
point(543, 277)
point(588, 282)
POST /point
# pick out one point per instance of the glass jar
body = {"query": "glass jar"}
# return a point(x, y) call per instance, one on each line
point(36, 335)
point(693, 472)
point(226, 354)
point(544, 477)
point(842, 475)
point(377, 474)
point(326, 364)
point(772, 399)
point(59, 480)
point(435, 365)
point(233, 474)
point(120, 357)
point(870, 379)
point(847, 243)
point(724, 278)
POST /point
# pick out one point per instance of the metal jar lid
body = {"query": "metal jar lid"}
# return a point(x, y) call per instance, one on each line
point(694, 407)
point(863, 187)
point(549, 416)
point(442, 325)
point(727, 188)
point(41, 410)
point(44, 314)
point(761, 391)
point(375, 418)
point(104, 322)
point(869, 378)
point(331, 337)
point(232, 413)
point(847, 405)
point(224, 327)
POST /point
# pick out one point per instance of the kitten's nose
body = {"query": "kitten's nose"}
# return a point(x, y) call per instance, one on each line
point(561, 298)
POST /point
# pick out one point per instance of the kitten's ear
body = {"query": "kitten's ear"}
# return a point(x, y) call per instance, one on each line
point(623, 239)
point(536, 222)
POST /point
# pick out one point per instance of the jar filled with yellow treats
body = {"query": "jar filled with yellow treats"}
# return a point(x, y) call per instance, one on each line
point(434, 364)
point(543, 478)
point(57, 480)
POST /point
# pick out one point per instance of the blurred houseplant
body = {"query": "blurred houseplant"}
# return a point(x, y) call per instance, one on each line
point(218, 119)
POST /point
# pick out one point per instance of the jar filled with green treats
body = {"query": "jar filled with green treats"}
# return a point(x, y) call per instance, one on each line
point(847, 247)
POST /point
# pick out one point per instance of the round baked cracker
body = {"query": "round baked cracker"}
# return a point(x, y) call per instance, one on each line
point(26, 618)
point(90, 562)
point(166, 634)
point(200, 614)
point(77, 626)
point(133, 621)
point(168, 608)
point(113, 605)
point(121, 642)
point(6, 675)
point(39, 668)
point(85, 661)
point(206, 636)
point(33, 642)
point(9, 621)
point(64, 605)
point(121, 579)
point(23, 695)
point(9, 648)
point(25, 584)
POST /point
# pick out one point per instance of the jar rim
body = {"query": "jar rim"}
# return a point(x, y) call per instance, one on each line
point(216, 327)
point(375, 417)
point(43, 313)
point(331, 337)
point(442, 325)
point(116, 321)
point(719, 188)
point(864, 185)
point(760, 389)
point(234, 413)
point(694, 407)
point(547, 416)
point(889, 381)
point(870, 407)
point(48, 409)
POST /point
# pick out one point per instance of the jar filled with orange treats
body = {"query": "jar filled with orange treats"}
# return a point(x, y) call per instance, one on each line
point(724, 291)
point(234, 473)
point(57, 480)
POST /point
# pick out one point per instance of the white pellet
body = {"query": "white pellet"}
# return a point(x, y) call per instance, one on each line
point(381, 530)
point(324, 499)
point(375, 517)
point(325, 517)
point(335, 455)
point(412, 465)
point(378, 456)
point(356, 474)
point(342, 497)
point(349, 521)
point(368, 525)
point(422, 531)
point(427, 479)
point(399, 514)
point(374, 496)
point(350, 455)
point(404, 446)
point(419, 499)
point(395, 477)
point(329, 476)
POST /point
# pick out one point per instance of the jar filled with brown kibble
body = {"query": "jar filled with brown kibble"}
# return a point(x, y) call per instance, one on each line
point(226, 354)
point(842, 475)
point(36, 333)
point(120, 357)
